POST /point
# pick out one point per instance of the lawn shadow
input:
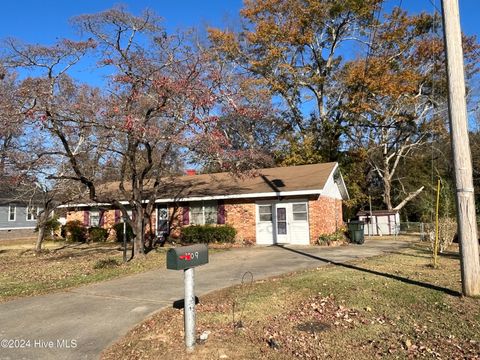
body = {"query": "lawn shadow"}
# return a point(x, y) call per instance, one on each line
point(180, 304)
point(411, 255)
point(450, 255)
point(81, 253)
point(387, 275)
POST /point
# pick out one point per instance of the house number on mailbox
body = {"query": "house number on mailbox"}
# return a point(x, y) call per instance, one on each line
point(189, 256)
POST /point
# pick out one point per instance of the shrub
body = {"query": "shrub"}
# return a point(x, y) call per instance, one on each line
point(75, 231)
point(97, 234)
point(208, 234)
point(119, 232)
point(51, 225)
point(447, 231)
point(106, 263)
point(327, 239)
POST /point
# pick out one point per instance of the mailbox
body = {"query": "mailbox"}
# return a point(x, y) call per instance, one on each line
point(185, 257)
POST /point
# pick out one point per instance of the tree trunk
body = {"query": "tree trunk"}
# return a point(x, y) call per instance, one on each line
point(139, 234)
point(408, 198)
point(387, 197)
point(40, 237)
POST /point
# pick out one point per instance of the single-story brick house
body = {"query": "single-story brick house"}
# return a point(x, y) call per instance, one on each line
point(292, 205)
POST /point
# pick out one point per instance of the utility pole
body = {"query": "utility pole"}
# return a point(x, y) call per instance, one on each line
point(462, 159)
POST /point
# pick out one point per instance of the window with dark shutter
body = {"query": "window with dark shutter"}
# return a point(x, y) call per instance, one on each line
point(203, 212)
point(94, 218)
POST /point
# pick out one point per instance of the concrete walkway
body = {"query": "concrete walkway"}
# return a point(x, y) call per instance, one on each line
point(80, 323)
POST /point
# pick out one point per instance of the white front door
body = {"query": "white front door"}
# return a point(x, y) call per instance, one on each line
point(282, 223)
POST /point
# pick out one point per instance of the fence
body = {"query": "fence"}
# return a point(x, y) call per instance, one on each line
point(423, 230)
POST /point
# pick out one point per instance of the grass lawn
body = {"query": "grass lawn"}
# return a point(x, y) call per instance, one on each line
point(61, 266)
point(392, 306)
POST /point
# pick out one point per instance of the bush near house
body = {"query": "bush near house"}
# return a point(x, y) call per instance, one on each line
point(97, 234)
point(51, 225)
point(338, 236)
point(119, 232)
point(106, 263)
point(74, 231)
point(208, 234)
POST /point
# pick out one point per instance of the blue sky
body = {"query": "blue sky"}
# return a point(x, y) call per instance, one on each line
point(36, 21)
point(44, 20)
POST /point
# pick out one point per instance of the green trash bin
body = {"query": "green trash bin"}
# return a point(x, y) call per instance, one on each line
point(355, 228)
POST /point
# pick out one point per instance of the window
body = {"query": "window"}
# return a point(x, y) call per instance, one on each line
point(94, 218)
point(299, 212)
point(203, 213)
point(162, 221)
point(12, 212)
point(265, 212)
point(32, 212)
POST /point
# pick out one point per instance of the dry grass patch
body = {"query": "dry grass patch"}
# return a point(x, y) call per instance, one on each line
point(25, 273)
point(394, 306)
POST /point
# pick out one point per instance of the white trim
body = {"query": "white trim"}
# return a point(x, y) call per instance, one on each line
point(14, 212)
point(271, 213)
point(243, 196)
point(88, 204)
point(213, 197)
point(18, 228)
point(156, 220)
point(34, 217)
point(347, 195)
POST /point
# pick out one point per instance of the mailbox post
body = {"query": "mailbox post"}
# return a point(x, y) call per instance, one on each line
point(186, 258)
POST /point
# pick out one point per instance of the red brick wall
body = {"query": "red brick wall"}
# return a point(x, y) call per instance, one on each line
point(241, 215)
point(325, 216)
point(75, 215)
point(175, 217)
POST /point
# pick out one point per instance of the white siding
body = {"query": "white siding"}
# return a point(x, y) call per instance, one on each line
point(331, 189)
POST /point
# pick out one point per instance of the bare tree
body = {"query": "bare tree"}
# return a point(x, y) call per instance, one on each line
point(164, 96)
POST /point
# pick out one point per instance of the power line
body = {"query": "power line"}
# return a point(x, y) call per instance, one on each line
point(432, 2)
point(372, 38)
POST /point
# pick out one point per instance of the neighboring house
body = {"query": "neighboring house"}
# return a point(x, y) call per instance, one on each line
point(18, 216)
point(380, 222)
point(283, 205)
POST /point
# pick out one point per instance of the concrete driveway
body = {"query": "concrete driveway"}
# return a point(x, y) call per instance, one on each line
point(80, 323)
